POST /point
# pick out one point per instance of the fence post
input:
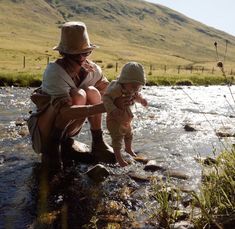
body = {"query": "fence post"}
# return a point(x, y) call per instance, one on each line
point(165, 68)
point(116, 66)
point(231, 71)
point(202, 70)
point(48, 60)
point(150, 69)
point(179, 69)
point(213, 70)
point(23, 61)
point(191, 69)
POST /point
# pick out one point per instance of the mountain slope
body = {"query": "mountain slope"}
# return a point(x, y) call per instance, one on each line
point(124, 30)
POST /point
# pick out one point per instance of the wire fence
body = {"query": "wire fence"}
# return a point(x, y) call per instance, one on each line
point(40, 62)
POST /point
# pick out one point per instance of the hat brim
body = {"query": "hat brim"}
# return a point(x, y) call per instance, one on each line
point(61, 49)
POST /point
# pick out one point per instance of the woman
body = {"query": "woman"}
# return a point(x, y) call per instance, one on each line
point(71, 91)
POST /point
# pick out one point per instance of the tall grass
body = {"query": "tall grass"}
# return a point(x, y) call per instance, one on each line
point(168, 199)
point(215, 200)
point(217, 196)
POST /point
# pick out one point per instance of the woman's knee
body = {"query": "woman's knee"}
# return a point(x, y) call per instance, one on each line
point(93, 95)
point(79, 96)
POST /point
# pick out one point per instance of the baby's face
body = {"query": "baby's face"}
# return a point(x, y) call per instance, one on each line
point(132, 87)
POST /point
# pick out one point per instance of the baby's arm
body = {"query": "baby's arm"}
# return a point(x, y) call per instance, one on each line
point(108, 99)
point(139, 99)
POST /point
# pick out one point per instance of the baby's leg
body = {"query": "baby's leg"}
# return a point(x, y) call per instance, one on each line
point(128, 143)
point(117, 139)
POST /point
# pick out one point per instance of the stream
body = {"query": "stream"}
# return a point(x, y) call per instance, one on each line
point(160, 134)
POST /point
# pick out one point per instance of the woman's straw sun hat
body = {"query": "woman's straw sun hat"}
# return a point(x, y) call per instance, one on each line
point(74, 39)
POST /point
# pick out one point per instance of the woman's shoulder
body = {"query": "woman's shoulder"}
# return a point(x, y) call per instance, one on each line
point(53, 67)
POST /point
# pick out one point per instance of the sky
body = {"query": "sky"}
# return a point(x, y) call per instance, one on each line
point(216, 13)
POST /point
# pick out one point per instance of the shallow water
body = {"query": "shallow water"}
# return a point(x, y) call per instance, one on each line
point(158, 134)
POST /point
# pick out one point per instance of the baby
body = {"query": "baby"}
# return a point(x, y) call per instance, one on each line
point(128, 84)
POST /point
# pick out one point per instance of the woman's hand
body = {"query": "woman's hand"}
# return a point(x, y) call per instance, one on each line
point(87, 66)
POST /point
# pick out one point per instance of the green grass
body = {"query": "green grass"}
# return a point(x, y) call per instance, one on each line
point(32, 76)
point(20, 79)
point(215, 200)
point(217, 196)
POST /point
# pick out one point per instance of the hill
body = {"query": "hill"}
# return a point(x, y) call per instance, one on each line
point(124, 30)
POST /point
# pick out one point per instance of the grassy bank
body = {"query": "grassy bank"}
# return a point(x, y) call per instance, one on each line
point(212, 207)
point(33, 79)
point(20, 79)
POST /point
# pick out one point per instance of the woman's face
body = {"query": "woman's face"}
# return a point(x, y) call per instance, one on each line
point(79, 58)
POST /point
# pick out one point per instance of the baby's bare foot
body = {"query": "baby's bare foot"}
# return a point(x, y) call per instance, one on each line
point(131, 152)
point(123, 163)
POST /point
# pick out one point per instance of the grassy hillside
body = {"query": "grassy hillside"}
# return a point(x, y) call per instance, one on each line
point(124, 29)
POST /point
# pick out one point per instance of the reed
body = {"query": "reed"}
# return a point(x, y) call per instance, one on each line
point(168, 199)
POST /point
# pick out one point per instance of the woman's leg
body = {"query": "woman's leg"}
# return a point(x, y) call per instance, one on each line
point(54, 128)
point(78, 97)
point(100, 149)
point(94, 97)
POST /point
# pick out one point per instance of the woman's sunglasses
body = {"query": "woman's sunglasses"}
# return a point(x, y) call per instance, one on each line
point(85, 54)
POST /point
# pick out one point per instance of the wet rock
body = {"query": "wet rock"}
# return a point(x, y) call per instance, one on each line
point(182, 225)
point(77, 151)
point(187, 200)
point(176, 174)
point(206, 161)
point(97, 173)
point(189, 127)
point(181, 215)
point(177, 88)
point(209, 161)
point(139, 177)
point(128, 158)
point(79, 146)
point(2, 159)
point(141, 159)
point(112, 218)
point(24, 131)
point(152, 166)
point(20, 123)
point(224, 134)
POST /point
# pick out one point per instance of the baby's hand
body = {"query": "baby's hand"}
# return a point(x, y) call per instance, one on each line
point(144, 102)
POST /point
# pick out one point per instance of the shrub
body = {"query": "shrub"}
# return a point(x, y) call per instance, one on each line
point(110, 65)
point(184, 83)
